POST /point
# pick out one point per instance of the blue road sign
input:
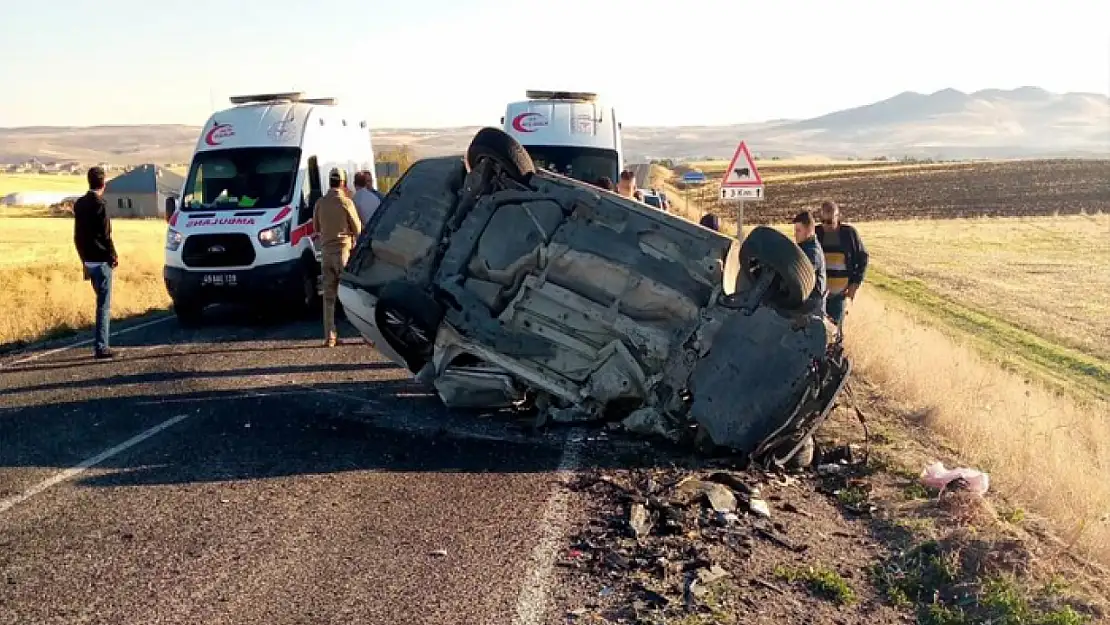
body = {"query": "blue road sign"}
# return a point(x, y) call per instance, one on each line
point(693, 177)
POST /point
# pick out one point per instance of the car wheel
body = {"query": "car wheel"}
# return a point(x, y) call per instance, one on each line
point(189, 314)
point(502, 149)
point(767, 249)
point(408, 320)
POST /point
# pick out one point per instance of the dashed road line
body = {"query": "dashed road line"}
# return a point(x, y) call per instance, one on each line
point(84, 465)
point(531, 604)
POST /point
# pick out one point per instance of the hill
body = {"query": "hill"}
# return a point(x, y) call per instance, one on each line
point(992, 123)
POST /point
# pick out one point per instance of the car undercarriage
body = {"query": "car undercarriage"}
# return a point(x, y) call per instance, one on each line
point(503, 286)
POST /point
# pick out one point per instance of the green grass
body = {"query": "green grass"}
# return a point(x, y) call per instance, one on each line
point(853, 496)
point(1059, 366)
point(824, 583)
point(929, 579)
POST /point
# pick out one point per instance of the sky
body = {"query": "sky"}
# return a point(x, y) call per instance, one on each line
point(438, 63)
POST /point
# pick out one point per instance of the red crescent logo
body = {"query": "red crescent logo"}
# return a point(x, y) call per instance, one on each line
point(218, 133)
point(519, 120)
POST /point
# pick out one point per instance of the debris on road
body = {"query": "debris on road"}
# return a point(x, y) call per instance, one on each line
point(439, 553)
point(671, 542)
point(759, 508)
point(638, 520)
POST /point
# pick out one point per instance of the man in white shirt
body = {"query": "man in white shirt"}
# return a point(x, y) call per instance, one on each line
point(366, 199)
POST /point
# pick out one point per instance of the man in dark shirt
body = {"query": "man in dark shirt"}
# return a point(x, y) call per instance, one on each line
point(846, 257)
point(709, 220)
point(805, 234)
point(92, 235)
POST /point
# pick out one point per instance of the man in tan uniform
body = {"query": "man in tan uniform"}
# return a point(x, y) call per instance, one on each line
point(335, 221)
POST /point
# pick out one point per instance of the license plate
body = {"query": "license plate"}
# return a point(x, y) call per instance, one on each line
point(219, 279)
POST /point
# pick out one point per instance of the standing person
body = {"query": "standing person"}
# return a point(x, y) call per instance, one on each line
point(846, 257)
point(366, 199)
point(805, 235)
point(92, 236)
point(626, 184)
point(335, 221)
point(709, 220)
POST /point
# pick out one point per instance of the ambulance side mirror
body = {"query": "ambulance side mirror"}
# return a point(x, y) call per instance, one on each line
point(171, 207)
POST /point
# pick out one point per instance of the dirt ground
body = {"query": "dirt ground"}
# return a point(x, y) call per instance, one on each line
point(854, 539)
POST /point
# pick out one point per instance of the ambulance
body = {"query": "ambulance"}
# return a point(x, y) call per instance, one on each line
point(568, 132)
point(242, 231)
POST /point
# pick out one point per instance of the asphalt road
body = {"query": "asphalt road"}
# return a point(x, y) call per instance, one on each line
point(241, 474)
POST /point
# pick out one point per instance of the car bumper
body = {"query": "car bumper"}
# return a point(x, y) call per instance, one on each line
point(214, 285)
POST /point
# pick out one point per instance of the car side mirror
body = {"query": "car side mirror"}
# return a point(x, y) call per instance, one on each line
point(171, 207)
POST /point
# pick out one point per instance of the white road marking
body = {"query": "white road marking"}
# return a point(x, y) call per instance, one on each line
point(194, 400)
point(531, 604)
point(82, 466)
point(58, 350)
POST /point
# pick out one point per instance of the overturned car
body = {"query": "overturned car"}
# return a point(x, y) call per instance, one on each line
point(505, 286)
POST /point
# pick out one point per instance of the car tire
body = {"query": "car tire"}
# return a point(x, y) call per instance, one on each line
point(408, 320)
point(496, 145)
point(766, 248)
point(189, 314)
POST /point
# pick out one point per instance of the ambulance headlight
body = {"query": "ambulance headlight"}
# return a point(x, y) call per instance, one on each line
point(173, 239)
point(274, 236)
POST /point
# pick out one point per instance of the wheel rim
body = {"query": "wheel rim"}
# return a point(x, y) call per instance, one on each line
point(406, 331)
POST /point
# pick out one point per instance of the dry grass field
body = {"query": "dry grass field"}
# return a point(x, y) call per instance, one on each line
point(41, 278)
point(63, 183)
point(990, 329)
point(1031, 290)
point(1045, 452)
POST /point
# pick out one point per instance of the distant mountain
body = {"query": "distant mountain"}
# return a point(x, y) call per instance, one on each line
point(992, 123)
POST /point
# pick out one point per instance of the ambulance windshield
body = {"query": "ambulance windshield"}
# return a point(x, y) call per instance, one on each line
point(585, 164)
point(239, 178)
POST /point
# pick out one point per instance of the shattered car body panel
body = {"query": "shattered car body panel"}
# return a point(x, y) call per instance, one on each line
point(580, 302)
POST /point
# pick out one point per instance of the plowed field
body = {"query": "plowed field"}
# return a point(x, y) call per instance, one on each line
point(868, 192)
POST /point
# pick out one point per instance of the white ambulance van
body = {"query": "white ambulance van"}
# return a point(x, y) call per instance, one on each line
point(242, 231)
point(567, 132)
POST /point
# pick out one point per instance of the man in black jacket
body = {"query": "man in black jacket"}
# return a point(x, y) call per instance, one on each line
point(805, 235)
point(845, 259)
point(92, 235)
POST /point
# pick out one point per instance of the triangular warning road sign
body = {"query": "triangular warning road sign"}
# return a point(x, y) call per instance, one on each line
point(741, 171)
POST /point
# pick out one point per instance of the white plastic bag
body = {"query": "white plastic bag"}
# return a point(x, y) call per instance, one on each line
point(936, 476)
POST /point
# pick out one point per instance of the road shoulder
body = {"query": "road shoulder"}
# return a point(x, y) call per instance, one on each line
point(863, 542)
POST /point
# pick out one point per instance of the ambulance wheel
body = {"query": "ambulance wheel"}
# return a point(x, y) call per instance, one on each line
point(309, 302)
point(767, 249)
point(496, 145)
point(189, 314)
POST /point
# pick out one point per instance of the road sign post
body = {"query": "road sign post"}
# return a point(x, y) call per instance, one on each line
point(741, 183)
point(691, 178)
